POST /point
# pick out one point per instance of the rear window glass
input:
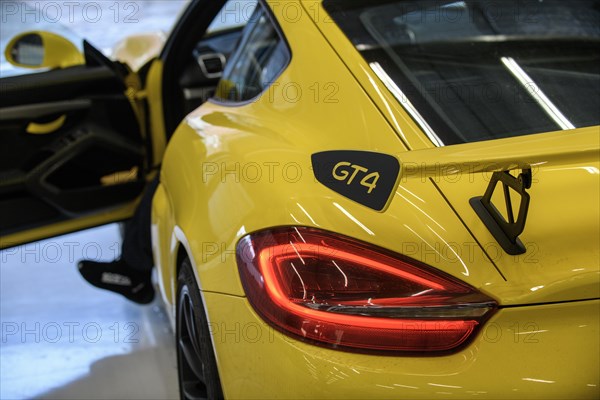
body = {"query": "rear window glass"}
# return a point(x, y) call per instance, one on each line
point(478, 70)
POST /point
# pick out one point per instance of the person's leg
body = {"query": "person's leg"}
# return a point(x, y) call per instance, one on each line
point(136, 250)
point(130, 275)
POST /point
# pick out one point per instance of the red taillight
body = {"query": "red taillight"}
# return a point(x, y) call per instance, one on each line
point(341, 293)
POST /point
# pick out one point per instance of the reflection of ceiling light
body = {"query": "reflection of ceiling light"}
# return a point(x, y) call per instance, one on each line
point(402, 99)
point(537, 380)
point(458, 4)
point(354, 219)
point(538, 95)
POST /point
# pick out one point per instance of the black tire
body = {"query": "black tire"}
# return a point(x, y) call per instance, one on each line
point(196, 365)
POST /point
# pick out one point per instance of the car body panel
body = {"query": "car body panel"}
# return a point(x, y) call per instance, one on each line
point(153, 95)
point(213, 159)
point(559, 161)
point(234, 169)
point(561, 233)
point(230, 170)
point(161, 231)
point(228, 158)
point(528, 345)
point(240, 202)
point(394, 112)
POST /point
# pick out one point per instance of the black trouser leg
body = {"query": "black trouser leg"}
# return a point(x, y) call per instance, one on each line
point(136, 250)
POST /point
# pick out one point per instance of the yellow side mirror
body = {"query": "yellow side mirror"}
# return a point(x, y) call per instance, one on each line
point(39, 49)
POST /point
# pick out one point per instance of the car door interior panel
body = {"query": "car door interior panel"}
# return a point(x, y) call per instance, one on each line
point(70, 144)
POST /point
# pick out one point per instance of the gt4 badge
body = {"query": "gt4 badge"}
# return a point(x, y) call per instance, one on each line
point(366, 177)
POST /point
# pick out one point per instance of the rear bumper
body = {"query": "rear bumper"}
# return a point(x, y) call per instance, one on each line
point(545, 351)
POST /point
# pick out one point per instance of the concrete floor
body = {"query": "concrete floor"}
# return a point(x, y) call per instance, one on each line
point(64, 339)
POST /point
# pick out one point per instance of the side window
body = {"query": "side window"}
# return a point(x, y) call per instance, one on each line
point(261, 56)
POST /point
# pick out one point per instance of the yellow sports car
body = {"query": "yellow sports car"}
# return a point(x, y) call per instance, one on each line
point(358, 199)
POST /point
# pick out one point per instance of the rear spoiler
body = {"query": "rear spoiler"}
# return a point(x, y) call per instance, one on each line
point(500, 157)
point(526, 152)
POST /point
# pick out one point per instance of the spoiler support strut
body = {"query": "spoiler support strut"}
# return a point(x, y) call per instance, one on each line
point(505, 232)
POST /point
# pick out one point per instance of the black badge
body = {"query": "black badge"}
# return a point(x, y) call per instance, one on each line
point(363, 176)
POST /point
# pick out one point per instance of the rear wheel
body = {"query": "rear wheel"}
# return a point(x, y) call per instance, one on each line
point(198, 374)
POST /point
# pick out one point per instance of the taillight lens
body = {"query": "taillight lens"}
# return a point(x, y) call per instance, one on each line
point(341, 293)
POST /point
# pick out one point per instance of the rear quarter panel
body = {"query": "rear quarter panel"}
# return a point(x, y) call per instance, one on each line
point(234, 169)
point(231, 170)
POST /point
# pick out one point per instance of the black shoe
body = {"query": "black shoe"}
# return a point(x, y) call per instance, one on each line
point(118, 277)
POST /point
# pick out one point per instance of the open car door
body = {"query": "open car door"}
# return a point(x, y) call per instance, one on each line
point(78, 144)
point(73, 150)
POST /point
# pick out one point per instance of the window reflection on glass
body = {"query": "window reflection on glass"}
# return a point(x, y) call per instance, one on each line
point(477, 70)
point(29, 50)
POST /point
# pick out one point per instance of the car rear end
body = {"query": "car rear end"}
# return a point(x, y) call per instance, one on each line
point(313, 293)
point(437, 303)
